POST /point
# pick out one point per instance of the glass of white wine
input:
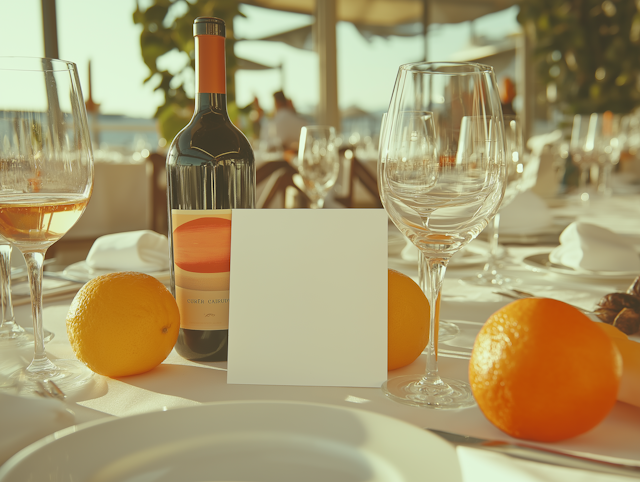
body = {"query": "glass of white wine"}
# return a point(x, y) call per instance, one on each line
point(46, 179)
point(318, 162)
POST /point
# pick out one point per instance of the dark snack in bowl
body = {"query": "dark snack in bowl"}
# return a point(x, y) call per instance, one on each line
point(606, 315)
point(627, 321)
point(634, 289)
point(618, 301)
point(622, 310)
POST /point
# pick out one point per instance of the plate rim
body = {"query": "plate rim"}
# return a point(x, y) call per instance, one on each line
point(23, 456)
point(567, 270)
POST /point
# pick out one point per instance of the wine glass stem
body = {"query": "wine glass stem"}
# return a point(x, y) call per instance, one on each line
point(604, 184)
point(5, 284)
point(35, 260)
point(431, 275)
point(316, 204)
point(584, 176)
point(494, 228)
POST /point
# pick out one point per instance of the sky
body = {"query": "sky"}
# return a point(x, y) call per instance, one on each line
point(366, 70)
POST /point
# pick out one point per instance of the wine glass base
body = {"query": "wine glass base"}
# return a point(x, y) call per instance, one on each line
point(68, 375)
point(21, 337)
point(447, 331)
point(411, 390)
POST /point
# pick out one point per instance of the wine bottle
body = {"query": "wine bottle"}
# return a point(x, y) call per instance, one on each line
point(210, 171)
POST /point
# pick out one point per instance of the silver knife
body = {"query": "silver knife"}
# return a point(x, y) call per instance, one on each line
point(539, 454)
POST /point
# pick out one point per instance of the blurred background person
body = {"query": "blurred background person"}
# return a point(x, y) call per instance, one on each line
point(286, 123)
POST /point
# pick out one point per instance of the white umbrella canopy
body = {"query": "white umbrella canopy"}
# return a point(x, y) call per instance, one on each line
point(394, 12)
point(376, 13)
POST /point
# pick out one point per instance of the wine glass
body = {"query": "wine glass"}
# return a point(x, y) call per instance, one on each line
point(46, 179)
point(581, 148)
point(490, 276)
point(606, 131)
point(318, 162)
point(441, 175)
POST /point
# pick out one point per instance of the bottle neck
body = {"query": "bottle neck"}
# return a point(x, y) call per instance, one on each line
point(211, 81)
point(211, 102)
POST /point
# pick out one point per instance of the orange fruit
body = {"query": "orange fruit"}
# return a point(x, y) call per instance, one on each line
point(408, 320)
point(122, 324)
point(542, 370)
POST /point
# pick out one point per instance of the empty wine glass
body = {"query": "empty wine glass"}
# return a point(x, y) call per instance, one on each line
point(490, 275)
point(441, 175)
point(318, 162)
point(581, 148)
point(46, 179)
point(606, 131)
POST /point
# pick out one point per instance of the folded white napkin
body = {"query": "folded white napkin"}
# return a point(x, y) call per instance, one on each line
point(23, 420)
point(144, 251)
point(537, 143)
point(526, 214)
point(590, 247)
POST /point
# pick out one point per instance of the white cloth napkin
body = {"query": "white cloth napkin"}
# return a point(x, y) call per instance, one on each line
point(23, 420)
point(590, 247)
point(145, 251)
point(537, 143)
point(526, 214)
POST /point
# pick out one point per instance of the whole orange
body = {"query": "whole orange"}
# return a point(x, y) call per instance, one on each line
point(408, 320)
point(122, 324)
point(542, 370)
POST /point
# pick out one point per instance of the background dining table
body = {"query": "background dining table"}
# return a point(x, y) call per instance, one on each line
point(181, 383)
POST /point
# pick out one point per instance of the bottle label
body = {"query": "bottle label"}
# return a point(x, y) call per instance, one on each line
point(210, 65)
point(201, 264)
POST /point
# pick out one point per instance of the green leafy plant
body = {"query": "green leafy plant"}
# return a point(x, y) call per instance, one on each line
point(167, 30)
point(590, 50)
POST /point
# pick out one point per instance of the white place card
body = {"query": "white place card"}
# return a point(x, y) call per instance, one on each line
point(308, 297)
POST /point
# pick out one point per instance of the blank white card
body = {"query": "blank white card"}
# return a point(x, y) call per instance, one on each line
point(308, 297)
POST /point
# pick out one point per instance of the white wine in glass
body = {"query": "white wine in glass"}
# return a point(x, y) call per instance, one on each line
point(46, 179)
point(441, 176)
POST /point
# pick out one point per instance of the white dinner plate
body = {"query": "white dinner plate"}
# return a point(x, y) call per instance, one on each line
point(257, 441)
point(542, 262)
point(80, 271)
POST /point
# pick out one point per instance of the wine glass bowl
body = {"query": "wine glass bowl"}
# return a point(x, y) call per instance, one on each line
point(318, 164)
point(46, 179)
point(441, 177)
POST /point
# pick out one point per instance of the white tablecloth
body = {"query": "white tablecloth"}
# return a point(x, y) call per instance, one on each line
point(180, 383)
